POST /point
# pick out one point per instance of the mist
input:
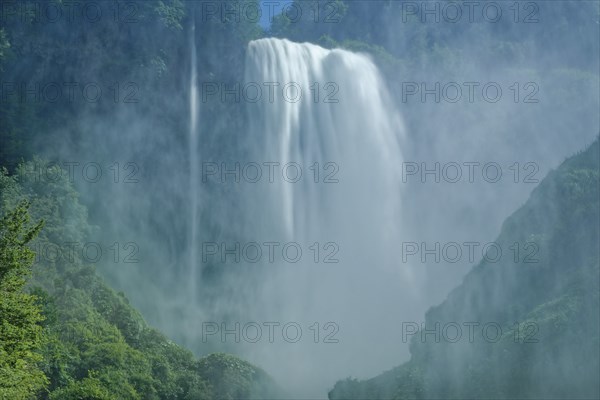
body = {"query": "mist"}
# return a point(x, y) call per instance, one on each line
point(287, 189)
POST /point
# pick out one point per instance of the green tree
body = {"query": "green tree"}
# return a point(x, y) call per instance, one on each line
point(21, 334)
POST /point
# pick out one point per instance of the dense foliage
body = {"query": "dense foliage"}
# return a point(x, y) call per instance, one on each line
point(69, 336)
point(20, 316)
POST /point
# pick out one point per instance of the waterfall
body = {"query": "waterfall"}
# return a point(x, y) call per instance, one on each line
point(193, 159)
point(330, 115)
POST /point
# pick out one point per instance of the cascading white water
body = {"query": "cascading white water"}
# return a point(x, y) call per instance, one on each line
point(340, 115)
point(345, 127)
point(193, 159)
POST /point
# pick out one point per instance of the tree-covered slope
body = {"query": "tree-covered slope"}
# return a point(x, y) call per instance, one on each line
point(530, 321)
point(68, 335)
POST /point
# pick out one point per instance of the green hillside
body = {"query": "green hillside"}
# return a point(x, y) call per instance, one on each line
point(64, 334)
point(544, 300)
